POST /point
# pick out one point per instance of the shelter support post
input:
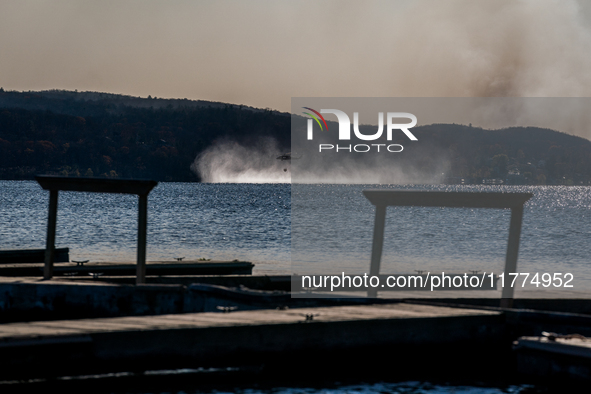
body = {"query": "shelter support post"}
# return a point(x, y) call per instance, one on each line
point(50, 244)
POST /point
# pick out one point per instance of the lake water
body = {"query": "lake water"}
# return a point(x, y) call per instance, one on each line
point(213, 221)
point(328, 226)
point(410, 387)
point(324, 227)
point(393, 388)
point(332, 229)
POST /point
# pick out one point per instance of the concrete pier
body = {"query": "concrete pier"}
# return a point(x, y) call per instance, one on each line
point(125, 269)
point(70, 347)
point(61, 328)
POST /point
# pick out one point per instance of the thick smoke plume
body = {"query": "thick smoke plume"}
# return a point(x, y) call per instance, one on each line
point(231, 162)
point(527, 48)
point(343, 48)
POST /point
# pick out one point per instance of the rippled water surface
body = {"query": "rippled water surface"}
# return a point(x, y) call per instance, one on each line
point(214, 221)
point(386, 388)
point(330, 227)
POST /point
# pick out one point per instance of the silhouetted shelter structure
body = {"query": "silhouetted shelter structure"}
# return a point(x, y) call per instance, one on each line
point(98, 185)
point(386, 198)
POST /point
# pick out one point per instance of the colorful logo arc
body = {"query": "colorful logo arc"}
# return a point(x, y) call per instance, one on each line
point(316, 118)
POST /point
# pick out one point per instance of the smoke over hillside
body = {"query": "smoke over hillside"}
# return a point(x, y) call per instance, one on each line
point(491, 48)
point(418, 48)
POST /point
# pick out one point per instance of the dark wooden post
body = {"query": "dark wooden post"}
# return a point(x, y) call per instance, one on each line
point(512, 252)
point(141, 239)
point(377, 246)
point(50, 245)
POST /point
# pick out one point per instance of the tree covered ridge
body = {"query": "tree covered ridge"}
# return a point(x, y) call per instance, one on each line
point(515, 155)
point(101, 134)
point(124, 141)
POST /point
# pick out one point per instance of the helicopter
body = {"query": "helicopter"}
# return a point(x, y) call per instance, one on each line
point(286, 156)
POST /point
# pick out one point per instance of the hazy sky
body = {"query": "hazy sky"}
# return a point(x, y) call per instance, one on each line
point(261, 53)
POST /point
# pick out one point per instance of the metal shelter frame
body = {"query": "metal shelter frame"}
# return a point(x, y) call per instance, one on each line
point(387, 198)
point(98, 185)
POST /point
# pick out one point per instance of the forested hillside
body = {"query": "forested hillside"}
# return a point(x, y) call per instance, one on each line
point(109, 137)
point(100, 134)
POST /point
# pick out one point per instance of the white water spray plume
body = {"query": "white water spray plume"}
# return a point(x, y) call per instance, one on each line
point(230, 162)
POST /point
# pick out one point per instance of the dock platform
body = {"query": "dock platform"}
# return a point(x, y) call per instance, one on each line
point(126, 269)
point(564, 357)
point(87, 346)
